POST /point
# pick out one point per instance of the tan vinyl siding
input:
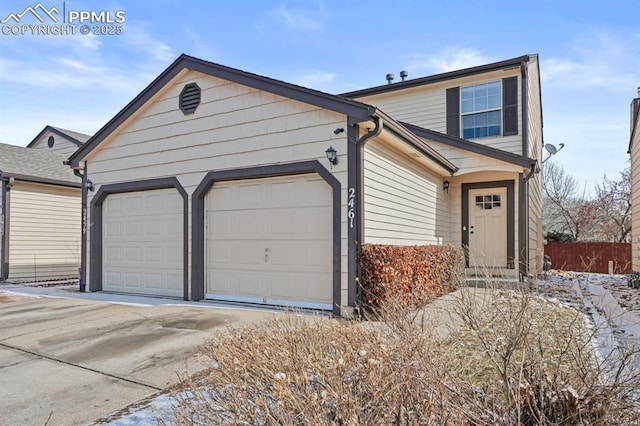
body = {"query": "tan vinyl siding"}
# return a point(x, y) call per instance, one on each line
point(469, 162)
point(534, 126)
point(60, 144)
point(44, 232)
point(235, 126)
point(425, 106)
point(404, 204)
point(635, 198)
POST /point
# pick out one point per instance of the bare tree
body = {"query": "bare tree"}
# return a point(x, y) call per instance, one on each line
point(566, 211)
point(613, 200)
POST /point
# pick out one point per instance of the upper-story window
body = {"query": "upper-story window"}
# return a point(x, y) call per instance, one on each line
point(481, 110)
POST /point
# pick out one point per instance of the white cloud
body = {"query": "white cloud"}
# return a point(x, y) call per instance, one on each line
point(69, 73)
point(449, 59)
point(200, 47)
point(596, 60)
point(299, 20)
point(138, 36)
point(315, 79)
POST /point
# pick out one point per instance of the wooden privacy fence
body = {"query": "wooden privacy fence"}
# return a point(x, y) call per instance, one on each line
point(589, 257)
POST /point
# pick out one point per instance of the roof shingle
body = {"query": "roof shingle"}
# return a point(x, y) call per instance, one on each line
point(36, 165)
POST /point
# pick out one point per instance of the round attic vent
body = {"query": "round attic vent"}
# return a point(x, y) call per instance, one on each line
point(50, 142)
point(189, 98)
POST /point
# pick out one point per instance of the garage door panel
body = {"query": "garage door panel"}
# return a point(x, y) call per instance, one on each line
point(284, 222)
point(113, 278)
point(318, 221)
point(173, 256)
point(221, 254)
point(248, 254)
point(133, 254)
point(317, 290)
point(133, 205)
point(131, 279)
point(284, 193)
point(220, 224)
point(114, 206)
point(143, 243)
point(153, 281)
point(153, 227)
point(247, 194)
point(249, 283)
point(291, 255)
point(112, 229)
point(153, 255)
point(132, 228)
point(219, 282)
point(174, 281)
point(112, 254)
point(284, 288)
point(249, 223)
point(317, 255)
point(269, 239)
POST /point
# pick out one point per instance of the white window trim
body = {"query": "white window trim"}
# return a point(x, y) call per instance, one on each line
point(463, 114)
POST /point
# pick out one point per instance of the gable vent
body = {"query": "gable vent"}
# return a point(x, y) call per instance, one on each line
point(189, 98)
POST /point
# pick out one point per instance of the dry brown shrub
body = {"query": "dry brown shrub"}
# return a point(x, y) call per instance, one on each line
point(513, 359)
point(407, 276)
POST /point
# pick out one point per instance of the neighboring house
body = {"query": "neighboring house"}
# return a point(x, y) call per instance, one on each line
point(39, 216)
point(634, 151)
point(217, 183)
point(61, 141)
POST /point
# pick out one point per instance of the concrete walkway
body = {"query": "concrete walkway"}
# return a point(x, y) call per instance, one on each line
point(69, 361)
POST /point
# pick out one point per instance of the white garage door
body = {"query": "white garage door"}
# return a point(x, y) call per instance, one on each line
point(270, 241)
point(142, 239)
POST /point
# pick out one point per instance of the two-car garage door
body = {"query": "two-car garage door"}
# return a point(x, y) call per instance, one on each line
point(267, 240)
point(270, 241)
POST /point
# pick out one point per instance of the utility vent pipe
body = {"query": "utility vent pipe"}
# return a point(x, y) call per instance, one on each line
point(404, 75)
point(389, 78)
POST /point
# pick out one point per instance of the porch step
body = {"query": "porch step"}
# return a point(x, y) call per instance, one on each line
point(494, 278)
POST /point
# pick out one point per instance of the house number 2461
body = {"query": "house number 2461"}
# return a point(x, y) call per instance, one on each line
point(351, 213)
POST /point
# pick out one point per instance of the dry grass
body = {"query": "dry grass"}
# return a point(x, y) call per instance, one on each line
point(515, 359)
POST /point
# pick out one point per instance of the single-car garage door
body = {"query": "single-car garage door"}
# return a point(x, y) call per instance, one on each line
point(270, 241)
point(142, 237)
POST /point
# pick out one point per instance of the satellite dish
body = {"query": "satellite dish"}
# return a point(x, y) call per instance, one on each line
point(551, 149)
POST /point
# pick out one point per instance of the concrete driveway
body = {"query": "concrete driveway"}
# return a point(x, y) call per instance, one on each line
point(70, 361)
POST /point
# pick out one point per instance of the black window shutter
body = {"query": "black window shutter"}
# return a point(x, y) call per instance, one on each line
point(510, 106)
point(453, 112)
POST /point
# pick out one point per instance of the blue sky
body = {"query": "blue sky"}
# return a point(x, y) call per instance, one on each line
point(589, 56)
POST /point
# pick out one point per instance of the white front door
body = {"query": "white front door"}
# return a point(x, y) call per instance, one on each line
point(488, 227)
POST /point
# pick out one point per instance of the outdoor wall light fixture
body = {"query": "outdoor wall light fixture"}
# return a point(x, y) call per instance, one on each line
point(332, 155)
point(445, 185)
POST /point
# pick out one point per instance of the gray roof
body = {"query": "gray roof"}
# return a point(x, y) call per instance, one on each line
point(80, 137)
point(438, 77)
point(74, 137)
point(35, 165)
point(471, 146)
